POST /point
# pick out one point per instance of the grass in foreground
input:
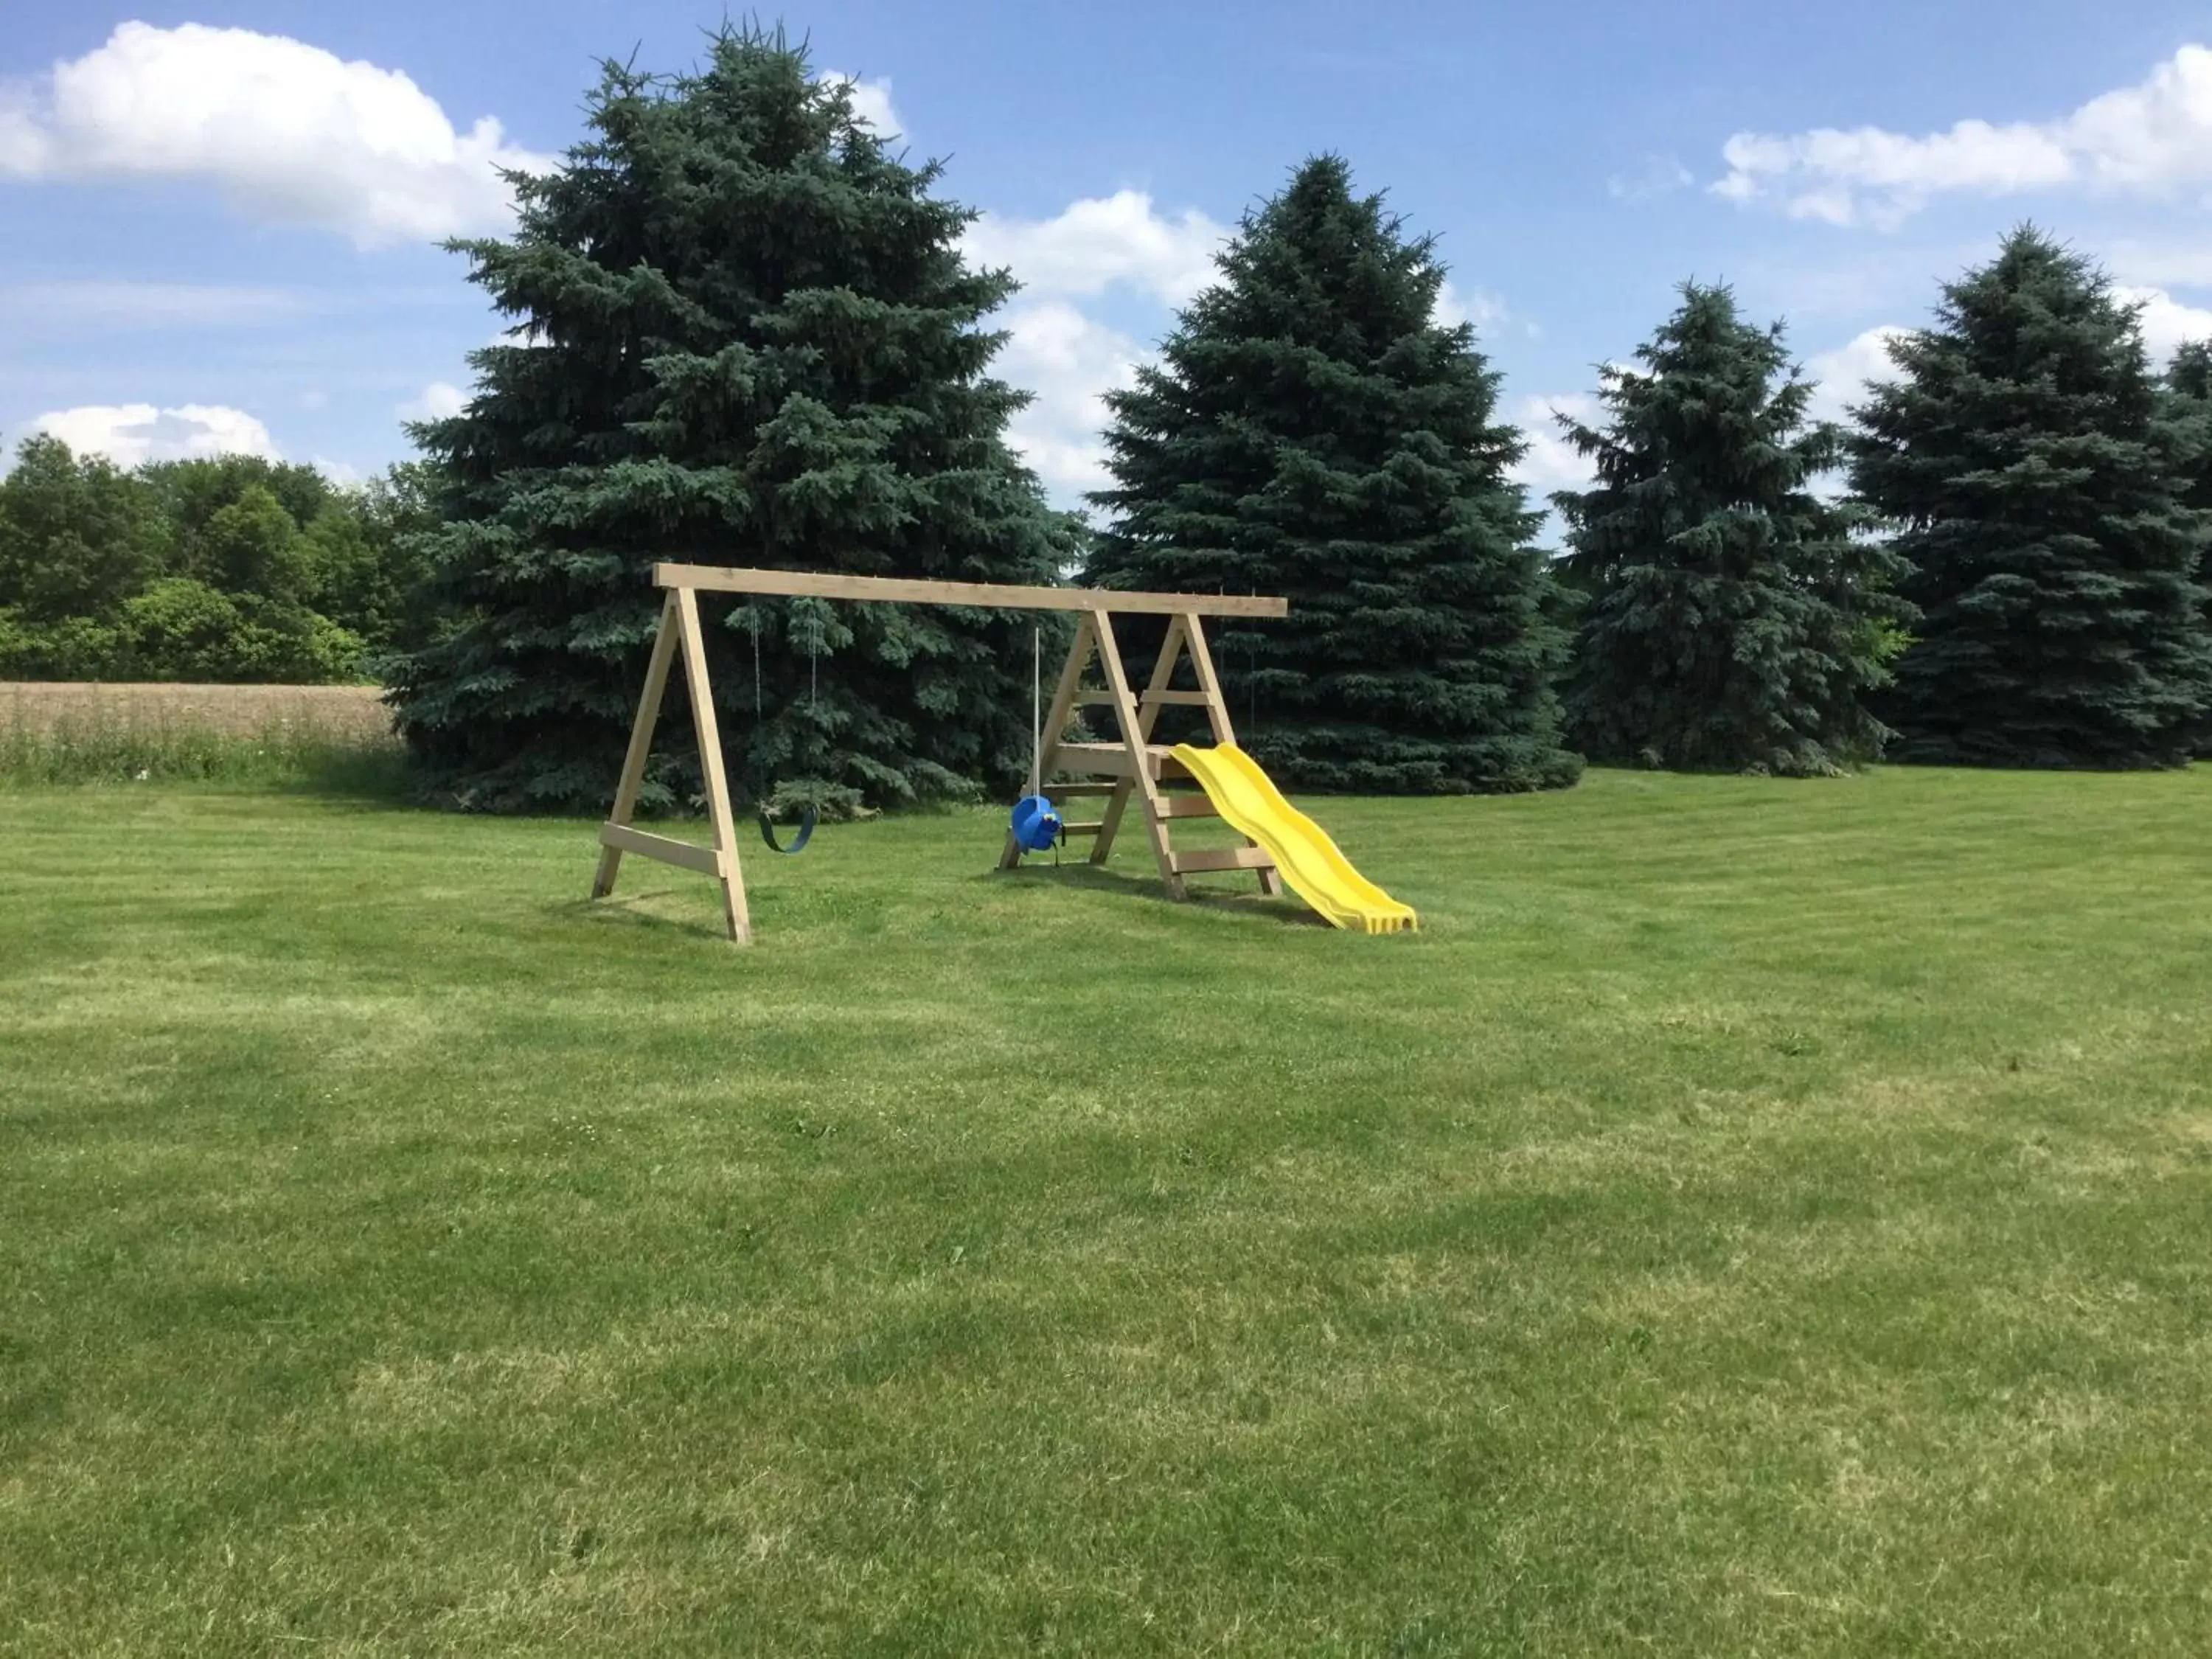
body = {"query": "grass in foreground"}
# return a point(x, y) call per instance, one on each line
point(1750, 1217)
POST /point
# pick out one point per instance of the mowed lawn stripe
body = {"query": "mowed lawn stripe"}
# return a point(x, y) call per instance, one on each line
point(1749, 1217)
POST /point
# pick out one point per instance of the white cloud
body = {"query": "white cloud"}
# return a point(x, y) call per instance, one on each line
point(2151, 139)
point(2167, 323)
point(1656, 176)
point(129, 434)
point(343, 474)
point(1099, 242)
point(288, 132)
point(1845, 373)
point(1552, 462)
point(1070, 362)
point(440, 400)
point(2162, 264)
point(1477, 306)
point(872, 102)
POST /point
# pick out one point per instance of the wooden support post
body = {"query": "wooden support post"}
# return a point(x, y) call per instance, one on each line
point(1133, 729)
point(640, 745)
point(1217, 715)
point(680, 631)
point(1148, 713)
point(735, 913)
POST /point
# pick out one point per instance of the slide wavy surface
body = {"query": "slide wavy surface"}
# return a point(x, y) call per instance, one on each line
point(1309, 861)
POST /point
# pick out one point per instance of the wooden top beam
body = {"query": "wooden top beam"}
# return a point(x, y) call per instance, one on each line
point(985, 596)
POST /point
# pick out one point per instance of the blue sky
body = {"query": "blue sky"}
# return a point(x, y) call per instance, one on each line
point(220, 219)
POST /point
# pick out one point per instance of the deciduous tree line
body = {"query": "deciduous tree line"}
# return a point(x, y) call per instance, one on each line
point(230, 568)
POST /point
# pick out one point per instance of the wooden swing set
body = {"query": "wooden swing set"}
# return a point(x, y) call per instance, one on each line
point(1131, 765)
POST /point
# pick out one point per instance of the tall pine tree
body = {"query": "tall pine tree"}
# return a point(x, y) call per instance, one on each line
point(2189, 391)
point(1734, 618)
point(2189, 426)
point(1311, 430)
point(2023, 452)
point(747, 335)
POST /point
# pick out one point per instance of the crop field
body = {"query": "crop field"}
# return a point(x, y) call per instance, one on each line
point(1749, 1217)
point(292, 736)
point(354, 712)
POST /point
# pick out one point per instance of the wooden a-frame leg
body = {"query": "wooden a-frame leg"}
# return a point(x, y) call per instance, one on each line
point(640, 743)
point(1055, 720)
point(727, 867)
point(1110, 820)
point(1217, 714)
point(1140, 766)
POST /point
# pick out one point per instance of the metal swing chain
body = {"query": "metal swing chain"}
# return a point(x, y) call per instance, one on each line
point(1036, 709)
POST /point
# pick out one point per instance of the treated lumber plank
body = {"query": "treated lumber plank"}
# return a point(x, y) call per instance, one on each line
point(1189, 806)
point(1109, 759)
point(620, 837)
point(1217, 714)
point(1223, 858)
point(735, 915)
point(989, 596)
point(1143, 764)
point(1148, 715)
point(641, 744)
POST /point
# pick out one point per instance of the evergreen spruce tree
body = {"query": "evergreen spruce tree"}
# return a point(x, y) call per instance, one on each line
point(2024, 454)
point(1733, 618)
point(2189, 407)
point(747, 335)
point(2189, 417)
point(1311, 431)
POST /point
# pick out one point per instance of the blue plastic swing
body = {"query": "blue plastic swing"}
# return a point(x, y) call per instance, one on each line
point(1036, 824)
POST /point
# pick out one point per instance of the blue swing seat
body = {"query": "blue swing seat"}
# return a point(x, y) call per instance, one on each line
point(1036, 824)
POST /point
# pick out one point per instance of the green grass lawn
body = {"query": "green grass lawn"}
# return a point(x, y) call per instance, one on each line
point(1749, 1218)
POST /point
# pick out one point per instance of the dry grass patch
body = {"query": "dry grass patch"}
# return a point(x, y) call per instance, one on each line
point(347, 713)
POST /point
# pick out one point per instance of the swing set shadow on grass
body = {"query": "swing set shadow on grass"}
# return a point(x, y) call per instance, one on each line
point(1082, 874)
point(656, 907)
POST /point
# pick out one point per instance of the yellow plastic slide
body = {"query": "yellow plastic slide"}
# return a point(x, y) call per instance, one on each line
point(1309, 860)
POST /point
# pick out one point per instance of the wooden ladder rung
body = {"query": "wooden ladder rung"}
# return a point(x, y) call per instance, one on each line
point(1098, 696)
point(1189, 806)
point(1222, 858)
point(1111, 758)
point(1082, 788)
point(1081, 828)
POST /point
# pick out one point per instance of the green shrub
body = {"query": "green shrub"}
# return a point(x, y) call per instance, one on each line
point(182, 630)
point(72, 648)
